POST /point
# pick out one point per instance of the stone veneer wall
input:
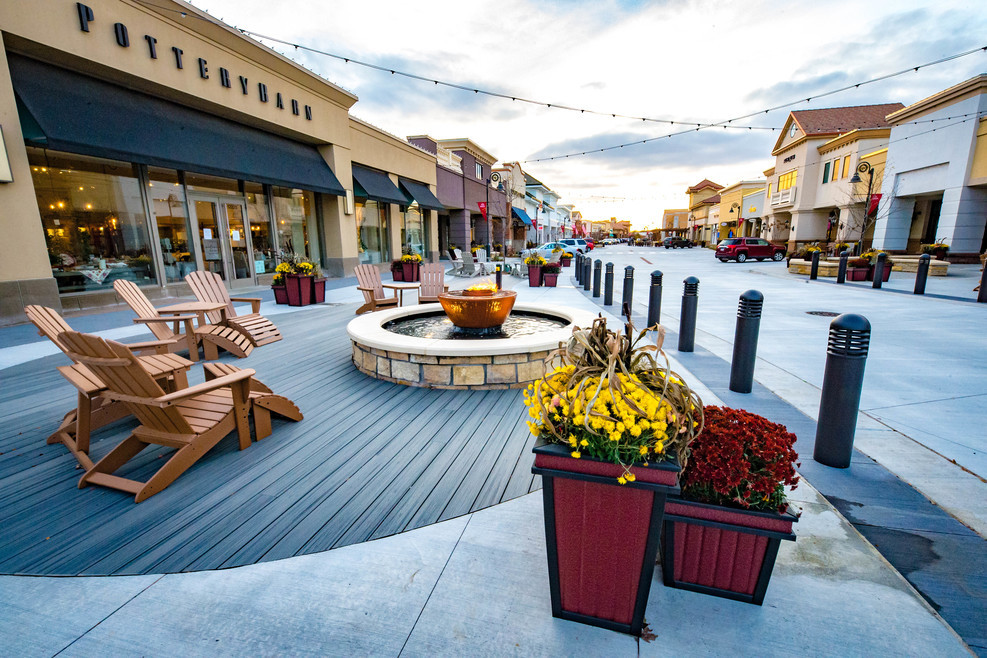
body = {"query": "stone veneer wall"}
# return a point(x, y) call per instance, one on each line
point(457, 372)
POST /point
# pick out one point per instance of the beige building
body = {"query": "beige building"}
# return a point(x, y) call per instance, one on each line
point(674, 222)
point(733, 213)
point(703, 196)
point(148, 140)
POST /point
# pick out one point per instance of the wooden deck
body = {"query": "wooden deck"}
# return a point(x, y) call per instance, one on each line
point(369, 460)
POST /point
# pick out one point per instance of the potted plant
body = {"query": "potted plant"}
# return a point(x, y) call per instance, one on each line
point(721, 536)
point(857, 269)
point(613, 424)
point(871, 257)
point(567, 259)
point(840, 247)
point(937, 250)
point(278, 283)
point(550, 274)
point(299, 282)
point(808, 250)
point(534, 263)
point(410, 264)
point(397, 270)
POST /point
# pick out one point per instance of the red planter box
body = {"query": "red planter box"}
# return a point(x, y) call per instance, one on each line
point(856, 274)
point(410, 271)
point(566, 262)
point(602, 537)
point(281, 294)
point(534, 276)
point(887, 273)
point(551, 279)
point(721, 551)
point(318, 290)
point(299, 289)
point(397, 271)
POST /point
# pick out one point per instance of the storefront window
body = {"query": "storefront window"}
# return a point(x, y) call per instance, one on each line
point(93, 219)
point(167, 197)
point(413, 231)
point(205, 184)
point(371, 232)
point(294, 213)
point(261, 235)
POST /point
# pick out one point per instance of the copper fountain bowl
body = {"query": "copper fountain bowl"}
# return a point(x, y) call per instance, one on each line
point(472, 311)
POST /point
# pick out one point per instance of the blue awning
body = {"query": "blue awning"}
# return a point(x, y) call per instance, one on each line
point(377, 185)
point(520, 214)
point(83, 115)
point(420, 193)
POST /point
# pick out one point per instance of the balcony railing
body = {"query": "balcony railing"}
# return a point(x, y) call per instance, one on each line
point(784, 197)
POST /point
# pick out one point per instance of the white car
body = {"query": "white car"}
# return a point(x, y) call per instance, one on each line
point(575, 245)
point(545, 250)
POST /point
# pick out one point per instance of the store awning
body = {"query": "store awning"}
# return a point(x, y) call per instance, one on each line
point(83, 115)
point(377, 186)
point(520, 214)
point(420, 193)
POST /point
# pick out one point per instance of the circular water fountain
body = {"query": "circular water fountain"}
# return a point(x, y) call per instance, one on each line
point(436, 347)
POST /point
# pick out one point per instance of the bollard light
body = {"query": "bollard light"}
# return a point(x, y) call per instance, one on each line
point(846, 355)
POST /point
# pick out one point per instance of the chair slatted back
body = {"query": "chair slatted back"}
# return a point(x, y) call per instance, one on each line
point(555, 257)
point(432, 280)
point(469, 265)
point(49, 323)
point(368, 276)
point(209, 287)
point(138, 302)
point(457, 254)
point(123, 373)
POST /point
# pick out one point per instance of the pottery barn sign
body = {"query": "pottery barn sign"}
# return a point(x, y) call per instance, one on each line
point(122, 35)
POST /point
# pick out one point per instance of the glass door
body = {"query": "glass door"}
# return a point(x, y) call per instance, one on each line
point(242, 270)
point(209, 232)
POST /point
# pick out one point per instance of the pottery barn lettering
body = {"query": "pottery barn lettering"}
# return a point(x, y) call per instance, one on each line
point(122, 37)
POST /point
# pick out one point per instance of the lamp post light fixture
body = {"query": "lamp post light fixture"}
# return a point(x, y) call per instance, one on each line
point(863, 168)
point(740, 211)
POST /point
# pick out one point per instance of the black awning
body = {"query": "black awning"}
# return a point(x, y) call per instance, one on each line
point(420, 193)
point(377, 186)
point(520, 214)
point(83, 115)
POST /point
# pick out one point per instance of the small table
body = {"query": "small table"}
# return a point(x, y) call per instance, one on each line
point(401, 287)
point(198, 309)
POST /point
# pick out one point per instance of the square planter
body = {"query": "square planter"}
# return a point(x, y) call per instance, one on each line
point(566, 262)
point(601, 536)
point(721, 551)
point(534, 276)
point(551, 279)
point(887, 273)
point(299, 289)
point(318, 290)
point(397, 271)
point(410, 271)
point(856, 274)
point(280, 294)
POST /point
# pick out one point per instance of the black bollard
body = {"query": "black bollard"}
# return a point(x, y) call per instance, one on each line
point(814, 270)
point(687, 320)
point(608, 286)
point(841, 274)
point(597, 275)
point(922, 274)
point(982, 295)
point(587, 276)
point(579, 267)
point(500, 278)
point(879, 269)
point(654, 299)
point(846, 355)
point(745, 341)
point(628, 289)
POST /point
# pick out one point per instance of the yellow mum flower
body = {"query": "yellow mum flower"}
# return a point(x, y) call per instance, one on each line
point(659, 446)
point(644, 450)
point(584, 443)
point(576, 454)
point(622, 480)
point(635, 431)
point(630, 477)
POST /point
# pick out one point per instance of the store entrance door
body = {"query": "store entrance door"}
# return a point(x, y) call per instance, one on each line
point(223, 241)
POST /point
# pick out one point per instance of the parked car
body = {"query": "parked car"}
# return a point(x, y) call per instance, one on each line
point(675, 243)
point(740, 249)
point(545, 250)
point(591, 244)
point(575, 245)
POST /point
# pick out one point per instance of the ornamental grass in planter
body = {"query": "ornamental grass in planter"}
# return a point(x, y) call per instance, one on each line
point(613, 426)
point(722, 535)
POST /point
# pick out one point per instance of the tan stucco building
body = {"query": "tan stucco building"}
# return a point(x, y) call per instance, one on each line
point(147, 140)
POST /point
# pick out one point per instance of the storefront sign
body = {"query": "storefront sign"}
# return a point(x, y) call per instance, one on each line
point(789, 158)
point(122, 36)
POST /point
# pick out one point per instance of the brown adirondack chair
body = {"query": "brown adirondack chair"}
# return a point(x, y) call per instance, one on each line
point(211, 336)
point(209, 287)
point(433, 282)
point(192, 420)
point(263, 401)
point(94, 410)
point(368, 282)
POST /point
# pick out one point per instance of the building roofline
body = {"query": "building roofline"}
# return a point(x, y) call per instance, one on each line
point(854, 135)
point(975, 86)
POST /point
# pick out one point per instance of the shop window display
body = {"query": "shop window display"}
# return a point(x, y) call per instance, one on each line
point(371, 232)
point(167, 197)
point(94, 220)
point(261, 236)
point(413, 238)
point(294, 214)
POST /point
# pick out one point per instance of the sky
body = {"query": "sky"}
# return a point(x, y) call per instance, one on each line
point(681, 60)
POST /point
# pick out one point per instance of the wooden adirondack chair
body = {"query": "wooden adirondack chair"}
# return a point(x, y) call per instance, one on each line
point(469, 266)
point(192, 419)
point(209, 287)
point(212, 336)
point(94, 410)
point(368, 282)
point(263, 401)
point(433, 282)
point(457, 261)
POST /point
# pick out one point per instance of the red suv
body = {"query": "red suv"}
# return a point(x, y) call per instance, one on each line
point(740, 249)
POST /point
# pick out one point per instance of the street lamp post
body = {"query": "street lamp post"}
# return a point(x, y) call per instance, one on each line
point(863, 168)
point(740, 219)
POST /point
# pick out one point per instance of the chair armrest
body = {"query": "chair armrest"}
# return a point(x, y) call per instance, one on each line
point(204, 387)
point(254, 302)
point(157, 346)
point(169, 319)
point(366, 289)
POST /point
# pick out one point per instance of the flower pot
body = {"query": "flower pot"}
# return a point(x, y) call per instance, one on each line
point(299, 289)
point(534, 276)
point(721, 551)
point(410, 271)
point(566, 262)
point(397, 271)
point(551, 278)
point(856, 274)
point(280, 294)
point(885, 277)
point(318, 290)
point(601, 536)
